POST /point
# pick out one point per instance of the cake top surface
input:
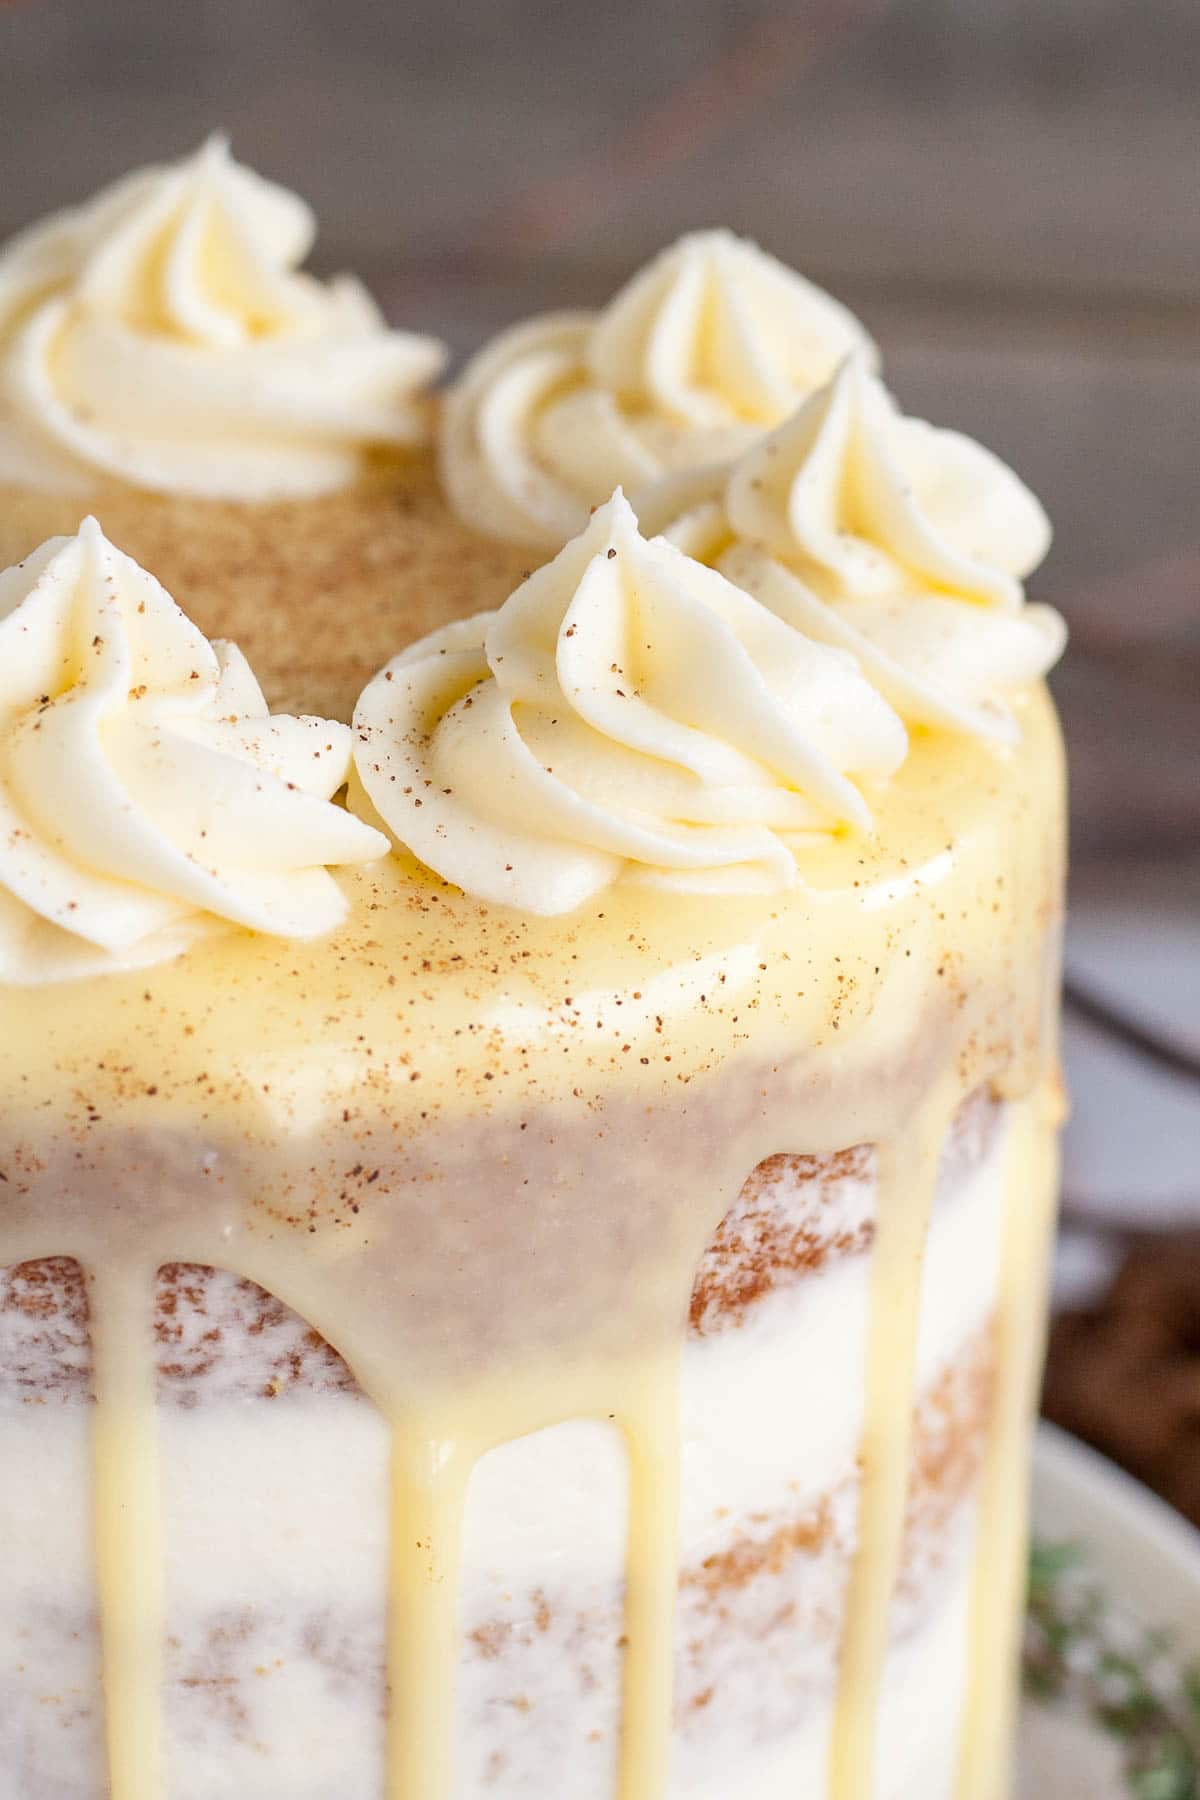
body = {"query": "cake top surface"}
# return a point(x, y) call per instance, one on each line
point(426, 1001)
point(318, 593)
point(834, 604)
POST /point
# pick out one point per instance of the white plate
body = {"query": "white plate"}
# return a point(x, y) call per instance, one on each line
point(1146, 1558)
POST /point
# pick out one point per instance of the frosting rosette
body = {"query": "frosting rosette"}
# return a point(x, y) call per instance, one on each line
point(710, 345)
point(164, 335)
point(146, 795)
point(899, 541)
point(626, 713)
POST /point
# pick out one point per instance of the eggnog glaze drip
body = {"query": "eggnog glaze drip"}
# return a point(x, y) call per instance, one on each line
point(164, 335)
point(316, 1118)
point(707, 347)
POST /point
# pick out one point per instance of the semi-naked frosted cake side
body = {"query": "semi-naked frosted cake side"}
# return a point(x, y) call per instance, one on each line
point(659, 1185)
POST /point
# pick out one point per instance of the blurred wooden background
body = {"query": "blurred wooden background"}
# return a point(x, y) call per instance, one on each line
point(1007, 191)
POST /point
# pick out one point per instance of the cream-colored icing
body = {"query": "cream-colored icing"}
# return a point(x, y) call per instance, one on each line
point(163, 334)
point(128, 1522)
point(575, 1060)
point(627, 712)
point(146, 795)
point(998, 1586)
point(908, 1168)
point(901, 542)
point(704, 349)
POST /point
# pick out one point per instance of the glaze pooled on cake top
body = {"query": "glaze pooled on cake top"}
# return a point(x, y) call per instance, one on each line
point(163, 334)
point(710, 345)
point(147, 797)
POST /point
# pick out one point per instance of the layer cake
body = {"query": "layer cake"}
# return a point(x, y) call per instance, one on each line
point(528, 1086)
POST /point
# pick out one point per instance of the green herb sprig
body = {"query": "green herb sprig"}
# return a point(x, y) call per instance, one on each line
point(1081, 1651)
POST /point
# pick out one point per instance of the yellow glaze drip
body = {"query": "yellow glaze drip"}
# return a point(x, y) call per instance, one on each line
point(482, 1154)
point(651, 1425)
point(998, 1582)
point(429, 1479)
point(430, 1475)
point(129, 1548)
point(907, 1179)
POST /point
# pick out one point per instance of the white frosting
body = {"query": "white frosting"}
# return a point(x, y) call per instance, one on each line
point(707, 347)
point(626, 712)
point(901, 542)
point(145, 792)
point(918, 1718)
point(162, 334)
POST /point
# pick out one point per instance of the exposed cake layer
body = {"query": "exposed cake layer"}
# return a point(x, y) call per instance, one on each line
point(275, 1486)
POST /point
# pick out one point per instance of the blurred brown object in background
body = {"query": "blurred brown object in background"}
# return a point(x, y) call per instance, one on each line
point(1125, 1373)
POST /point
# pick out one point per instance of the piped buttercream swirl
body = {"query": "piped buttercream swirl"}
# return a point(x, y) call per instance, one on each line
point(899, 541)
point(164, 335)
point(626, 712)
point(710, 345)
point(146, 795)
